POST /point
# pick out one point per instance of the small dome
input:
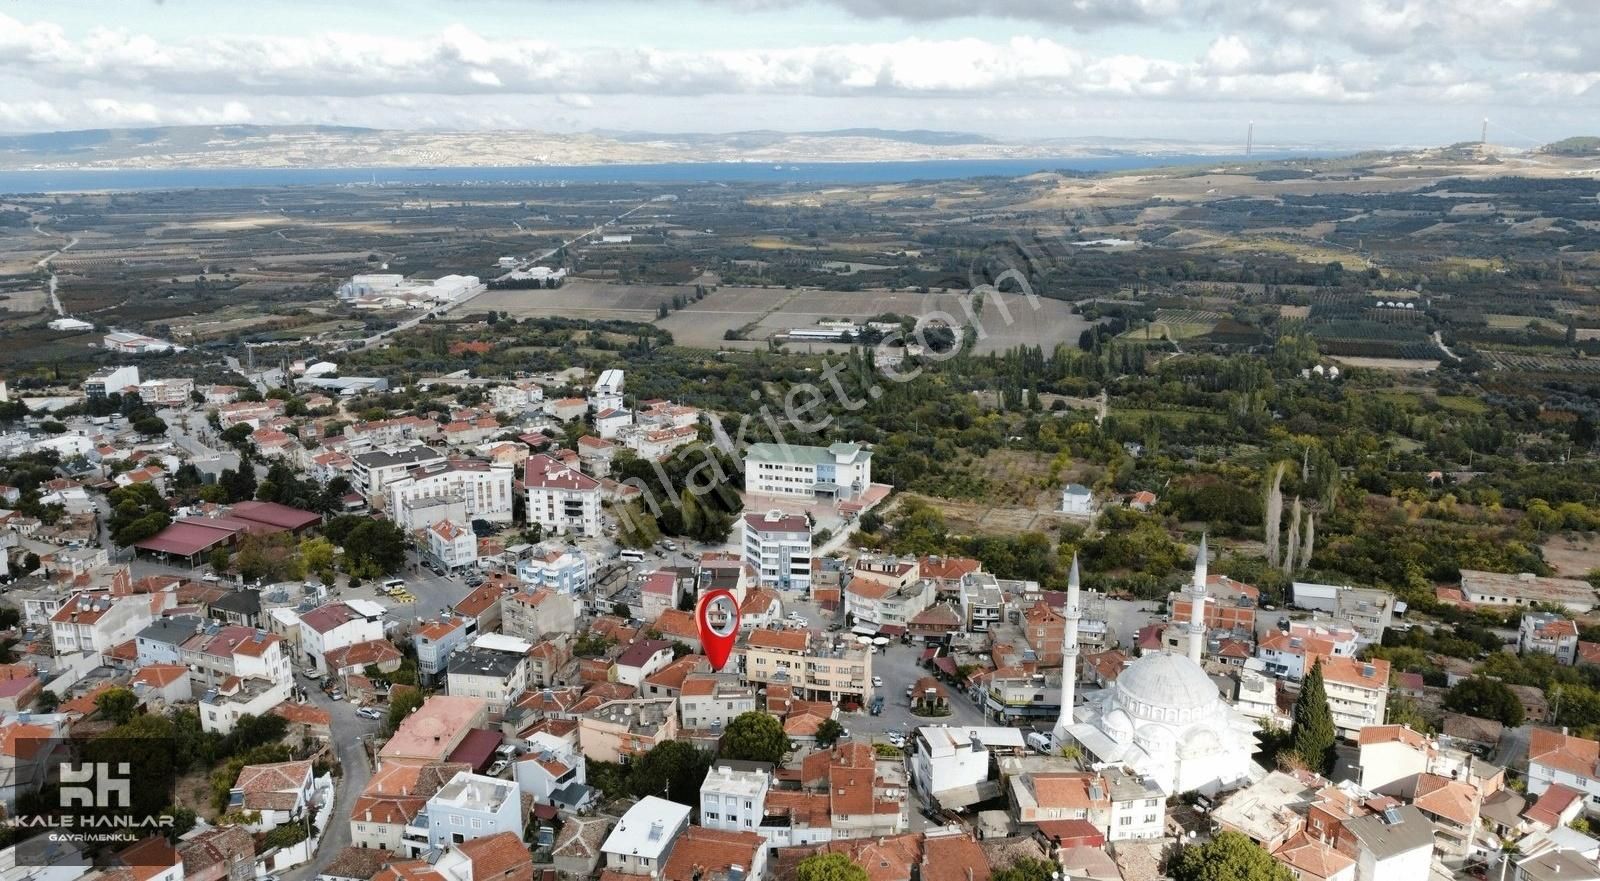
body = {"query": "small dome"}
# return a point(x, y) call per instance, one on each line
point(1162, 681)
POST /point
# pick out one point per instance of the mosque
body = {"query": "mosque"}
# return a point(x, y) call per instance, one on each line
point(1163, 717)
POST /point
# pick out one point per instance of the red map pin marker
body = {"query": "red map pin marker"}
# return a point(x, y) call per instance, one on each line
point(717, 638)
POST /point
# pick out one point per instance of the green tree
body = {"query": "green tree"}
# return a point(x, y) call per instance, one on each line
point(1486, 699)
point(673, 770)
point(117, 705)
point(829, 732)
point(829, 867)
point(756, 737)
point(1227, 857)
point(400, 706)
point(1312, 736)
point(1025, 869)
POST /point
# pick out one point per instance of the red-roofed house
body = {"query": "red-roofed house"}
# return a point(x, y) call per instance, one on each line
point(1549, 634)
point(561, 499)
point(1556, 758)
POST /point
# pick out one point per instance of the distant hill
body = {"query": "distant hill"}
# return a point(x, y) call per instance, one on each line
point(1585, 145)
point(180, 137)
point(315, 146)
point(766, 137)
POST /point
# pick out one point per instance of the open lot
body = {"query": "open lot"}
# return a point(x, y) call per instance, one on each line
point(582, 299)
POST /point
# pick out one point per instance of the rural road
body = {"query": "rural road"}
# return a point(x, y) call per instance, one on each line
point(44, 262)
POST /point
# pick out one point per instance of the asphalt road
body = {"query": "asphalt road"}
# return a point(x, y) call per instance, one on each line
point(351, 734)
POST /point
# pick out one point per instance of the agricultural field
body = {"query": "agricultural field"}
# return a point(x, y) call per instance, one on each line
point(1176, 324)
point(1530, 363)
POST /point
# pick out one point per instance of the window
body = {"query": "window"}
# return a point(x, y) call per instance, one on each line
point(455, 820)
point(477, 823)
point(1125, 821)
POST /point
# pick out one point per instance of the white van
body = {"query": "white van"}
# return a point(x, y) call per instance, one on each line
point(393, 585)
point(1039, 741)
point(631, 555)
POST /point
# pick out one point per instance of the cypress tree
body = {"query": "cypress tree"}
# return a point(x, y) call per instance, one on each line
point(1313, 734)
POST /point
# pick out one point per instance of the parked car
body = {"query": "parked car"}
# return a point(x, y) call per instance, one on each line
point(877, 706)
point(499, 767)
point(336, 694)
point(369, 713)
point(877, 682)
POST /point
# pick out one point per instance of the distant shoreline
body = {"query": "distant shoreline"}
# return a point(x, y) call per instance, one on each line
point(821, 173)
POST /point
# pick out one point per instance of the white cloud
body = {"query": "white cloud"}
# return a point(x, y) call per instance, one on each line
point(1298, 57)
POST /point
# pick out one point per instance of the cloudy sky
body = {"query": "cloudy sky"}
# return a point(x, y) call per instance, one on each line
point(1369, 72)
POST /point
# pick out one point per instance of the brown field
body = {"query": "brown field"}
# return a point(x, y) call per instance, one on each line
point(1572, 556)
point(1007, 320)
point(1419, 365)
point(582, 299)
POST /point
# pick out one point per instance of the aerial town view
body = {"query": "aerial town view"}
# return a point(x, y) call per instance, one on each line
point(807, 440)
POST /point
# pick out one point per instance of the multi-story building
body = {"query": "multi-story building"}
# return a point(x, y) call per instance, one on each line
point(434, 642)
point(1358, 692)
point(1548, 634)
point(622, 730)
point(170, 392)
point(1394, 845)
point(641, 840)
point(453, 544)
point(337, 625)
point(1016, 695)
point(642, 659)
point(472, 806)
point(709, 701)
point(372, 472)
point(484, 490)
point(1369, 611)
point(821, 670)
point(97, 623)
point(778, 547)
point(111, 381)
point(552, 771)
point(1573, 762)
point(733, 797)
point(561, 568)
point(216, 653)
point(222, 707)
point(161, 642)
point(561, 499)
point(531, 614)
point(884, 604)
point(842, 471)
point(490, 669)
point(394, 797)
point(983, 603)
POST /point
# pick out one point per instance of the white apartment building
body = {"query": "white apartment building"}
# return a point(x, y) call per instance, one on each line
point(1548, 634)
point(516, 399)
point(172, 392)
point(840, 471)
point(222, 707)
point(888, 603)
point(452, 544)
point(778, 547)
point(950, 757)
point(372, 472)
point(643, 837)
point(98, 623)
point(1358, 692)
point(111, 381)
point(493, 669)
point(561, 499)
point(1573, 762)
point(484, 491)
point(711, 701)
point(560, 568)
point(472, 806)
point(216, 653)
point(336, 625)
point(733, 796)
